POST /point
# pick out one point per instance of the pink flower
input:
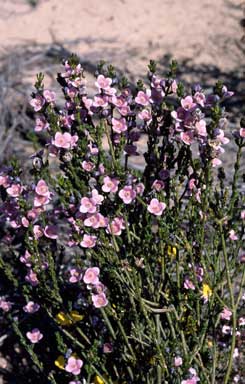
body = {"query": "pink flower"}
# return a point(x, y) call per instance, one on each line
point(243, 215)
point(37, 103)
point(39, 201)
point(226, 330)
point(49, 96)
point(158, 185)
point(31, 307)
point(76, 275)
point(187, 103)
point(187, 137)
point(241, 321)
point(4, 181)
point(242, 132)
point(216, 162)
point(74, 365)
point(97, 197)
point(119, 125)
point(200, 98)
point(31, 278)
point(119, 101)
point(50, 231)
point(64, 140)
point(25, 222)
point(15, 190)
point(145, 115)
point(139, 188)
point(178, 361)
point(42, 188)
point(142, 98)
point(232, 235)
point(188, 284)
point(226, 314)
point(99, 300)
point(5, 305)
point(41, 124)
point(91, 276)
point(116, 226)
point(156, 207)
point(96, 221)
point(88, 241)
point(26, 259)
point(38, 232)
point(127, 194)
point(103, 82)
point(110, 185)
point(88, 166)
point(107, 348)
point(34, 336)
point(100, 101)
point(88, 205)
point(201, 128)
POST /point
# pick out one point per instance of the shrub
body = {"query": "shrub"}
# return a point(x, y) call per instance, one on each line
point(122, 274)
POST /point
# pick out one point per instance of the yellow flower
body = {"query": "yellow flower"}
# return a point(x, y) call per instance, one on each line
point(206, 291)
point(63, 319)
point(210, 343)
point(76, 316)
point(98, 380)
point(60, 362)
point(67, 319)
point(172, 251)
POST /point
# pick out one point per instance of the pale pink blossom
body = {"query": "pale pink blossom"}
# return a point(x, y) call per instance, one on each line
point(241, 321)
point(201, 128)
point(49, 95)
point(88, 241)
point(95, 221)
point(145, 115)
point(127, 194)
point(226, 330)
point(100, 101)
point(65, 140)
point(110, 185)
point(200, 98)
point(188, 284)
point(116, 226)
point(187, 103)
point(142, 98)
point(187, 137)
point(103, 82)
point(37, 231)
point(216, 162)
point(91, 276)
point(88, 166)
point(236, 353)
point(4, 181)
point(42, 188)
point(37, 103)
point(226, 314)
point(34, 336)
point(26, 259)
point(39, 201)
point(243, 215)
point(158, 185)
point(242, 132)
point(119, 125)
point(99, 300)
point(88, 205)
point(5, 305)
point(14, 190)
point(97, 197)
point(178, 361)
point(74, 365)
point(51, 231)
point(31, 307)
point(41, 124)
point(139, 188)
point(25, 222)
point(119, 101)
point(31, 278)
point(156, 207)
point(232, 235)
point(75, 275)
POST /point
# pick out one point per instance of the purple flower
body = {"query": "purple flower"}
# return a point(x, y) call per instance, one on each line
point(31, 307)
point(99, 300)
point(127, 194)
point(34, 336)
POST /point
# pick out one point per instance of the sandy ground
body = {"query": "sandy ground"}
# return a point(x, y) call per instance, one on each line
point(129, 32)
